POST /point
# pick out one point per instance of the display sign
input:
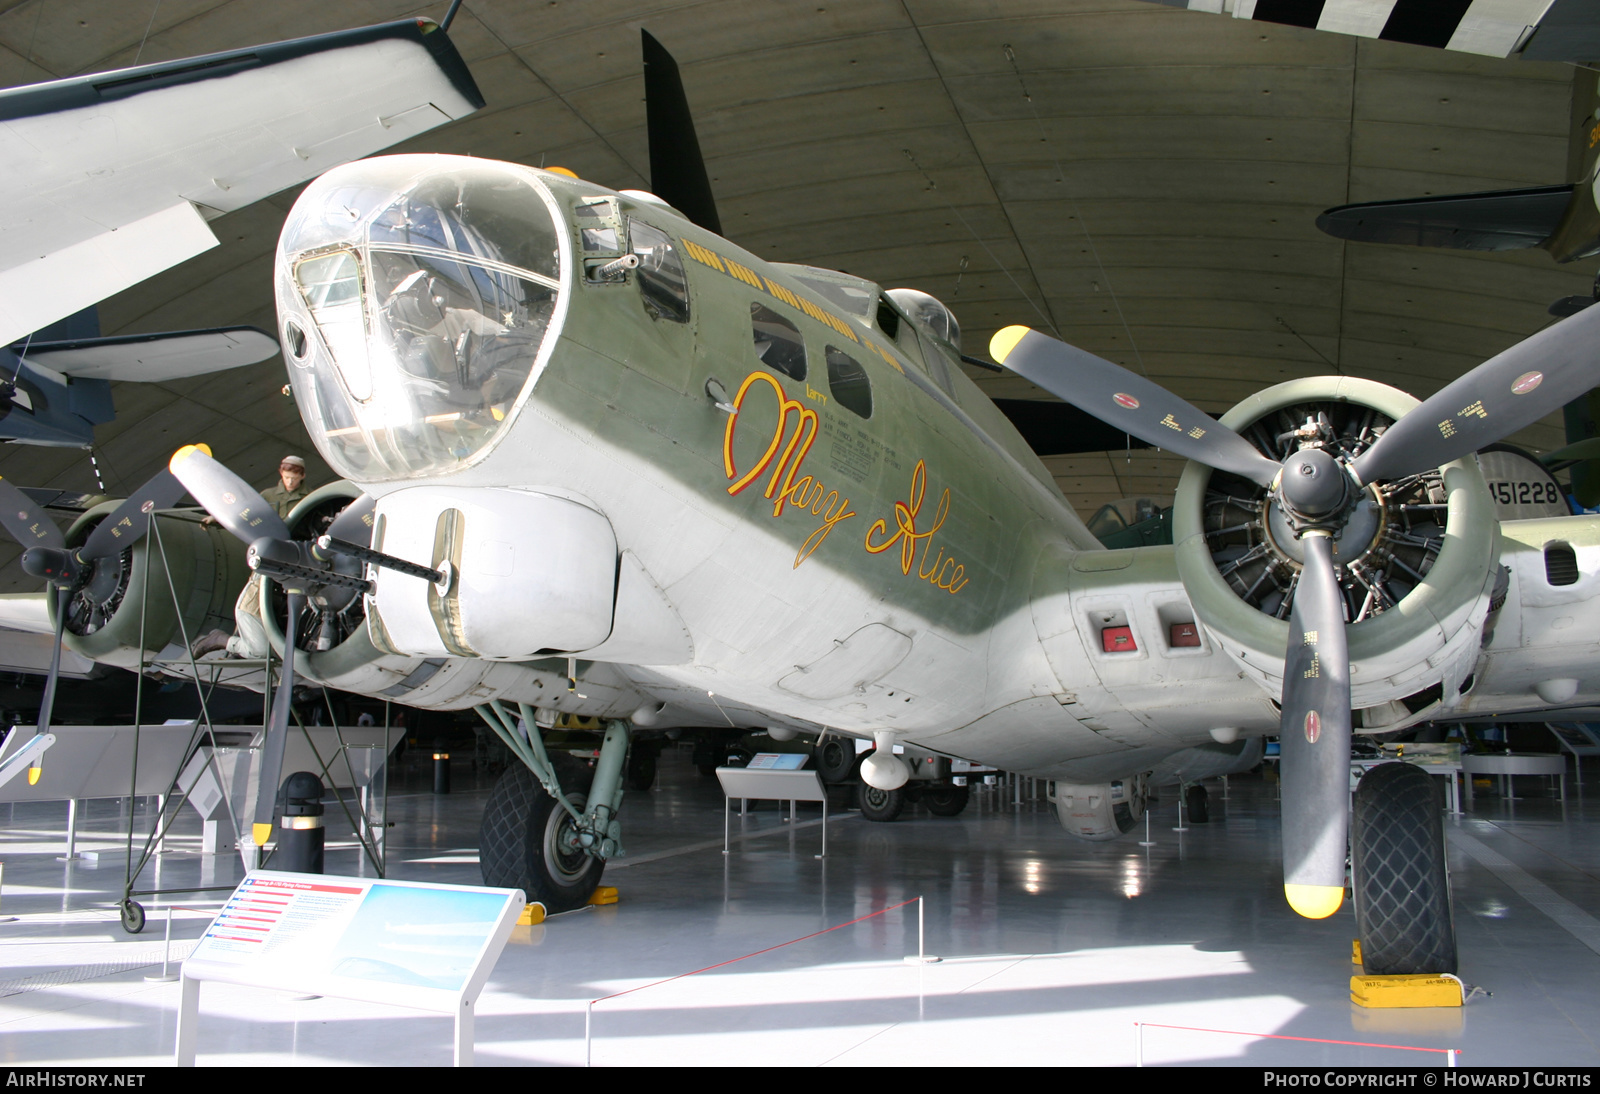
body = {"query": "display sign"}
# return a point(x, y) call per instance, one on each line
point(418, 945)
point(396, 942)
point(777, 761)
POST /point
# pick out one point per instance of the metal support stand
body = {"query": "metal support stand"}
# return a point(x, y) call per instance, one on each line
point(1181, 827)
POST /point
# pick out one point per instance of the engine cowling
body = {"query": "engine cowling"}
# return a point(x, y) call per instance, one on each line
point(1415, 562)
point(1099, 812)
point(158, 598)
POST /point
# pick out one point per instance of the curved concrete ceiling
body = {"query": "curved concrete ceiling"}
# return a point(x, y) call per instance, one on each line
point(1142, 179)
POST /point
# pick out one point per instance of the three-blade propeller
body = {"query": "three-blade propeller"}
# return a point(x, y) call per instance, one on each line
point(45, 555)
point(1317, 492)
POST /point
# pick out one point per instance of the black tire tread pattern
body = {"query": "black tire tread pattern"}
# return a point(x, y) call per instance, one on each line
point(1398, 874)
point(894, 803)
point(511, 836)
point(947, 801)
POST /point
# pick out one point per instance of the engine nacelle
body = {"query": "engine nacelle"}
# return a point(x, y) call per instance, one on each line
point(1099, 812)
point(1416, 559)
point(162, 592)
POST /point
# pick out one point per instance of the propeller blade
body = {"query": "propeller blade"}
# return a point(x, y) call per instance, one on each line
point(1535, 377)
point(270, 772)
point(354, 522)
point(131, 519)
point(26, 521)
point(1130, 403)
point(1314, 738)
point(226, 496)
point(677, 170)
point(47, 704)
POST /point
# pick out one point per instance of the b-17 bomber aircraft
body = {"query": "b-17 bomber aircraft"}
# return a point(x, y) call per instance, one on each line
point(610, 463)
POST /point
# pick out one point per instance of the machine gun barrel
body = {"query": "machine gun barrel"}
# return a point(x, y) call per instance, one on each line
point(379, 559)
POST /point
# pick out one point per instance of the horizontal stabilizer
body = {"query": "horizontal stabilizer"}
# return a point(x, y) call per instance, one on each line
point(1498, 220)
point(155, 357)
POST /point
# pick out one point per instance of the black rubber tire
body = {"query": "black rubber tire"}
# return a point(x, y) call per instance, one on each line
point(946, 801)
point(640, 774)
point(1197, 803)
point(132, 916)
point(707, 771)
point(1398, 873)
point(834, 759)
point(880, 805)
point(517, 840)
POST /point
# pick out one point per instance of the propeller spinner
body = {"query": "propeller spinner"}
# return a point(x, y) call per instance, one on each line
point(1318, 491)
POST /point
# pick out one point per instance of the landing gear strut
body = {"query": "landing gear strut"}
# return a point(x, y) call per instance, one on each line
point(550, 822)
point(1397, 868)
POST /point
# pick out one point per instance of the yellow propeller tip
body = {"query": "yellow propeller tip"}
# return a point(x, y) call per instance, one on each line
point(261, 833)
point(185, 452)
point(562, 171)
point(1314, 901)
point(1004, 341)
point(33, 775)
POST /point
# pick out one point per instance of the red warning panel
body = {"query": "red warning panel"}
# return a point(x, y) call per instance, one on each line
point(1184, 634)
point(1117, 640)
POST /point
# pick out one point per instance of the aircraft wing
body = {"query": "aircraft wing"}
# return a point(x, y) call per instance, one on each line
point(109, 179)
point(155, 357)
point(1543, 30)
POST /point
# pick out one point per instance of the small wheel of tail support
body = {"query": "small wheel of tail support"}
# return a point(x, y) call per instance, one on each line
point(132, 913)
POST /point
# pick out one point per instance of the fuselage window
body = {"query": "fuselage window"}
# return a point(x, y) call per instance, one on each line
point(778, 343)
point(938, 365)
point(848, 382)
point(662, 283)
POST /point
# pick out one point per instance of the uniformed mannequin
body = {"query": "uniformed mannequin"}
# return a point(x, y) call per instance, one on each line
point(291, 486)
point(249, 639)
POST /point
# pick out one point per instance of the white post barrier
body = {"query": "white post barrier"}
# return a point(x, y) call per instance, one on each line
point(588, 1018)
point(5, 918)
point(1138, 1044)
point(166, 975)
point(1147, 841)
point(923, 956)
point(1181, 827)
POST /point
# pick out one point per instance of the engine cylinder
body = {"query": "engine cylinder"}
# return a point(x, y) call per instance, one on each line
point(161, 593)
point(1415, 558)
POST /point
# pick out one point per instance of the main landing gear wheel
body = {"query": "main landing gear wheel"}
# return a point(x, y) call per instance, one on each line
point(946, 801)
point(132, 916)
point(833, 759)
point(526, 840)
point(1397, 866)
point(880, 805)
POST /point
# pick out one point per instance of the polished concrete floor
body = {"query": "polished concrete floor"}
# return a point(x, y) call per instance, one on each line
point(1052, 949)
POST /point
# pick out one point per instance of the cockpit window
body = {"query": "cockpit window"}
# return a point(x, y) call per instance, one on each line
point(425, 320)
point(848, 382)
point(662, 282)
point(778, 343)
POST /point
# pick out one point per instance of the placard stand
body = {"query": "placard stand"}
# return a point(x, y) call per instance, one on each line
point(787, 786)
point(354, 938)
